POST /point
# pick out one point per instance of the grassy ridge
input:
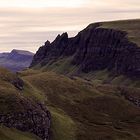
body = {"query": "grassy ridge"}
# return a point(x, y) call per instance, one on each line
point(80, 109)
point(10, 102)
point(132, 27)
point(85, 110)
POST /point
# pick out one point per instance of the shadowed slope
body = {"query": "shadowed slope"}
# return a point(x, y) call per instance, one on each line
point(111, 46)
point(85, 110)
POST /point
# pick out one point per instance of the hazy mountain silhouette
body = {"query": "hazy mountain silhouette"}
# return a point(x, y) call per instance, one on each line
point(16, 60)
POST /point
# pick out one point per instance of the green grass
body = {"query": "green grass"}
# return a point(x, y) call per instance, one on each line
point(88, 107)
point(63, 121)
point(31, 92)
point(80, 108)
point(132, 27)
point(13, 134)
point(83, 110)
point(62, 66)
point(13, 100)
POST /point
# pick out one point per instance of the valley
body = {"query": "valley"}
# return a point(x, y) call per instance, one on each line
point(82, 88)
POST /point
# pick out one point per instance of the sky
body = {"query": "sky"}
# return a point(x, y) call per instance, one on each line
point(27, 24)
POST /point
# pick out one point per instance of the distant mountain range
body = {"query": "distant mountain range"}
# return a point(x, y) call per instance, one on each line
point(16, 60)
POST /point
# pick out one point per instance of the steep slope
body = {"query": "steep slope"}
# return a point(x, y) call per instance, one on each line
point(19, 110)
point(16, 60)
point(98, 94)
point(88, 108)
point(14, 134)
point(112, 46)
point(82, 110)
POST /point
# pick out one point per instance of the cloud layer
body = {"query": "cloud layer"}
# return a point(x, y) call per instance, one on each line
point(28, 27)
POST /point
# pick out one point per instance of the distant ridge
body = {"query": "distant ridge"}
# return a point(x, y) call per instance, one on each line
point(23, 52)
point(16, 60)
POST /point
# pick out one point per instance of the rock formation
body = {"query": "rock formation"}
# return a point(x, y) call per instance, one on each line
point(33, 118)
point(20, 110)
point(94, 48)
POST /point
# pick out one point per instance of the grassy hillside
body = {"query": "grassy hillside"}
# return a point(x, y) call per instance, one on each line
point(132, 27)
point(13, 134)
point(83, 110)
point(90, 106)
point(63, 65)
point(12, 102)
point(80, 109)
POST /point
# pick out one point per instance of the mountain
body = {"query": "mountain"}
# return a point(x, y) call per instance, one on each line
point(81, 88)
point(111, 46)
point(16, 60)
point(92, 81)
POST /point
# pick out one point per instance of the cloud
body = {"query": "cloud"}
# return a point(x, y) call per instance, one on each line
point(29, 27)
point(43, 3)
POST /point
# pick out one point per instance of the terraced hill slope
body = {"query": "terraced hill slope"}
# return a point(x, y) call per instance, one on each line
point(80, 109)
point(83, 110)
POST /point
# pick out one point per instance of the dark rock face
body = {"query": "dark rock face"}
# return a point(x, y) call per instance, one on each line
point(18, 83)
point(34, 119)
point(94, 48)
point(51, 51)
point(132, 97)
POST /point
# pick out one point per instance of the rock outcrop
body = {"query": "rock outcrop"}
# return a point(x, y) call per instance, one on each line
point(12, 78)
point(19, 109)
point(94, 48)
point(18, 83)
point(131, 94)
point(33, 118)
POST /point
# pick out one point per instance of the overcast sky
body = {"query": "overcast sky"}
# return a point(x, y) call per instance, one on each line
point(27, 24)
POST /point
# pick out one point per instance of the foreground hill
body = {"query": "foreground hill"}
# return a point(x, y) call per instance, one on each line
point(16, 60)
point(21, 111)
point(83, 110)
point(110, 46)
point(80, 109)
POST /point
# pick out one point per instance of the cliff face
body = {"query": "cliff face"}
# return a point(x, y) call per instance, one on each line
point(94, 48)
